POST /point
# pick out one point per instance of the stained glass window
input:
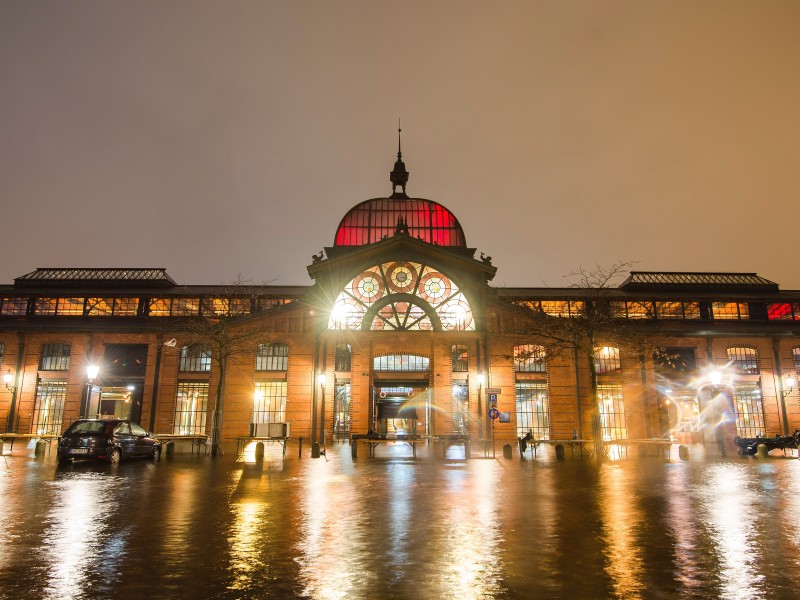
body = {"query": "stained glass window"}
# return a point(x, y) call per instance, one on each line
point(401, 296)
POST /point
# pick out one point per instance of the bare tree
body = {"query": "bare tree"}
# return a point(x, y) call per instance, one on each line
point(223, 332)
point(595, 322)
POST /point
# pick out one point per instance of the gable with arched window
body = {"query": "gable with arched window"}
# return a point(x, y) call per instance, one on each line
point(402, 296)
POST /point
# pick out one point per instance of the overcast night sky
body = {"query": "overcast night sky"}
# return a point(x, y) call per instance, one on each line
point(216, 138)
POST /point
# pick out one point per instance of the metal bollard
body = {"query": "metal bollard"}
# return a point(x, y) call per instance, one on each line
point(683, 452)
point(40, 448)
point(507, 451)
point(315, 450)
point(260, 452)
point(761, 451)
point(560, 451)
point(300, 449)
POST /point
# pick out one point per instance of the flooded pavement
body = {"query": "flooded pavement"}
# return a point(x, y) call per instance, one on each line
point(398, 527)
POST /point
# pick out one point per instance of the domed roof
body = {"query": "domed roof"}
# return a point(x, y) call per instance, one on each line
point(379, 218)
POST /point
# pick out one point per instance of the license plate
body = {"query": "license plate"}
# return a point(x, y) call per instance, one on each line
point(79, 451)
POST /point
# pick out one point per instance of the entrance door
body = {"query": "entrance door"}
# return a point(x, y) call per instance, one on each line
point(402, 408)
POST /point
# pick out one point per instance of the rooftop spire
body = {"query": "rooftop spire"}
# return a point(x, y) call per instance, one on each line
point(399, 175)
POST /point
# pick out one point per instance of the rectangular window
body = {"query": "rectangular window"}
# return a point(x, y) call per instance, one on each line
point(45, 307)
point(195, 359)
point(606, 360)
point(460, 408)
point(185, 307)
point(341, 411)
point(743, 360)
point(99, 307)
point(48, 411)
point(272, 357)
point(460, 358)
point(191, 406)
point(70, 307)
point(729, 310)
point(533, 410)
point(55, 357)
point(749, 410)
point(126, 307)
point(343, 357)
point(15, 307)
point(783, 311)
point(269, 402)
point(529, 358)
point(796, 359)
point(640, 310)
point(562, 308)
point(215, 306)
point(159, 307)
point(401, 362)
point(612, 412)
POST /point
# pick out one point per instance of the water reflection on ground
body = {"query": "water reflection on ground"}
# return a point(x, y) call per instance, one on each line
point(398, 527)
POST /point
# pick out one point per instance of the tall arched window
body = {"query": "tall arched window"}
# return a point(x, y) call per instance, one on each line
point(743, 360)
point(606, 360)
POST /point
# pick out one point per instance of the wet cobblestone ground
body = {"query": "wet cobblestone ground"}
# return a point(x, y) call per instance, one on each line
point(398, 527)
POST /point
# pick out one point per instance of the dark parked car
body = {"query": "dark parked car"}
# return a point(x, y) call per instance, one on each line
point(106, 439)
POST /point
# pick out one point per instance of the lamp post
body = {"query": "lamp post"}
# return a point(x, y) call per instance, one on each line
point(787, 385)
point(481, 381)
point(9, 379)
point(715, 379)
point(91, 375)
point(321, 380)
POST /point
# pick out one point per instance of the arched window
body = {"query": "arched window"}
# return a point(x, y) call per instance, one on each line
point(55, 357)
point(743, 360)
point(405, 296)
point(401, 362)
point(195, 359)
point(460, 358)
point(272, 357)
point(606, 360)
point(529, 358)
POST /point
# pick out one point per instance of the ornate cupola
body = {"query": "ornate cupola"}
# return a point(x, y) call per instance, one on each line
point(399, 175)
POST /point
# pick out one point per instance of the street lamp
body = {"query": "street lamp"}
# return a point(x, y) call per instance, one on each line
point(8, 378)
point(315, 451)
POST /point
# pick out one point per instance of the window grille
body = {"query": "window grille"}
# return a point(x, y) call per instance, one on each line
point(45, 307)
point(49, 407)
point(185, 307)
point(743, 360)
point(401, 362)
point(55, 357)
point(272, 357)
point(343, 357)
point(529, 358)
point(191, 407)
point(460, 358)
point(159, 307)
point(784, 311)
point(729, 310)
point(14, 307)
point(677, 310)
point(749, 409)
point(341, 411)
point(126, 307)
point(612, 412)
point(606, 360)
point(195, 359)
point(269, 402)
point(533, 409)
point(99, 307)
point(460, 408)
point(70, 307)
point(562, 308)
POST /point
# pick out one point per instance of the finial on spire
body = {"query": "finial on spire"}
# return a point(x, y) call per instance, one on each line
point(399, 176)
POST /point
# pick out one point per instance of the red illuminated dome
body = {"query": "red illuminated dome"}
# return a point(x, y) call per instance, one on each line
point(379, 218)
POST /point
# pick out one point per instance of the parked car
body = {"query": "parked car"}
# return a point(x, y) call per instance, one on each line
point(106, 439)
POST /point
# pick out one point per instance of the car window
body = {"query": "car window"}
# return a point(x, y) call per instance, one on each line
point(137, 429)
point(86, 427)
point(122, 428)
